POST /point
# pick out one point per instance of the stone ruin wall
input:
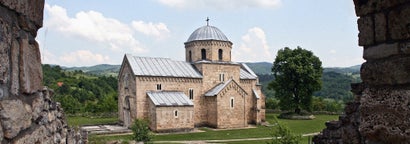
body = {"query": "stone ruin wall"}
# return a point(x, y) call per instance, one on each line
point(27, 113)
point(380, 112)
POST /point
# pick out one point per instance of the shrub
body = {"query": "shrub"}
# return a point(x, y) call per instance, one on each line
point(140, 130)
point(282, 135)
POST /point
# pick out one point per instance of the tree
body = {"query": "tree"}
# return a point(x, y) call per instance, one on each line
point(140, 130)
point(297, 75)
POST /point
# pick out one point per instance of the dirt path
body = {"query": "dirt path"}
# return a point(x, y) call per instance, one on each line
point(227, 140)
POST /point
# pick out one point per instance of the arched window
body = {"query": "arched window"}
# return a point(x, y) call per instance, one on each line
point(220, 52)
point(191, 93)
point(203, 54)
point(232, 102)
point(190, 56)
point(176, 113)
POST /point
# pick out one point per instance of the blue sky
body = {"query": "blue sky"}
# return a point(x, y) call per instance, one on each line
point(85, 33)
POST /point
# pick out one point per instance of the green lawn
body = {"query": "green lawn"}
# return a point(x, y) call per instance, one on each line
point(297, 126)
point(79, 121)
point(304, 126)
point(304, 140)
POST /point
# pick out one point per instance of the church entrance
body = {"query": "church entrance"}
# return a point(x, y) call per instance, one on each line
point(126, 112)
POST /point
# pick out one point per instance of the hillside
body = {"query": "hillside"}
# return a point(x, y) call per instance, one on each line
point(101, 70)
point(265, 68)
point(260, 67)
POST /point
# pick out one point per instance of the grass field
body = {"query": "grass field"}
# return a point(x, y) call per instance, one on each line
point(297, 126)
point(79, 121)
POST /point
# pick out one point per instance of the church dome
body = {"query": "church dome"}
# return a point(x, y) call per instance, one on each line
point(207, 33)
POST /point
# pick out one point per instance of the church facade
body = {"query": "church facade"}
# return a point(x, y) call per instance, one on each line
point(207, 89)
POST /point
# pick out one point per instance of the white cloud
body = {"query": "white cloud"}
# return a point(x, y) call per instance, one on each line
point(220, 4)
point(332, 51)
point(93, 26)
point(84, 57)
point(254, 47)
point(159, 30)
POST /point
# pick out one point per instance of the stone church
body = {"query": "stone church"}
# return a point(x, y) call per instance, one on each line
point(207, 89)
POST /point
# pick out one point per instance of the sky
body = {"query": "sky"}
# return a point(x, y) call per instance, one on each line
point(86, 33)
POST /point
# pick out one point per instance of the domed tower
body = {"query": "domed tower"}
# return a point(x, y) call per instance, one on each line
point(208, 43)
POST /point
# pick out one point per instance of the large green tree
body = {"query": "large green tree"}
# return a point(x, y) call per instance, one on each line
point(297, 75)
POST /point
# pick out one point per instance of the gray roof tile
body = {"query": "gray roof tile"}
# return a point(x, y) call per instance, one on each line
point(214, 91)
point(256, 94)
point(207, 33)
point(169, 98)
point(246, 72)
point(147, 66)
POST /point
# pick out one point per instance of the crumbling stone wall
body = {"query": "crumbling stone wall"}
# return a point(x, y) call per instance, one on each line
point(27, 113)
point(381, 110)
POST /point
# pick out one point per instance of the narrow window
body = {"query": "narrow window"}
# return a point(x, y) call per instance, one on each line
point(222, 77)
point(190, 56)
point(191, 94)
point(231, 102)
point(175, 113)
point(126, 79)
point(203, 54)
point(159, 87)
point(220, 53)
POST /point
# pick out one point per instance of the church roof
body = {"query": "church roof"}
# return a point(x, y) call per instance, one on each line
point(246, 72)
point(221, 86)
point(169, 98)
point(207, 33)
point(148, 66)
point(214, 91)
point(256, 94)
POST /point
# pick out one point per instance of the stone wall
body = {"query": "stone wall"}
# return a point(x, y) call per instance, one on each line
point(232, 116)
point(163, 119)
point(211, 47)
point(381, 110)
point(27, 113)
point(147, 83)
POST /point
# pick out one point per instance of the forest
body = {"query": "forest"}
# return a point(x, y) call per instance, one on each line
point(80, 92)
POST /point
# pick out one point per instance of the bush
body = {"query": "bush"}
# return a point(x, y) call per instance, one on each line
point(272, 103)
point(140, 130)
point(283, 135)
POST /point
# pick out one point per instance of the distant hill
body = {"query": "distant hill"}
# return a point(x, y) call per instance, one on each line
point(102, 69)
point(344, 70)
point(260, 67)
point(266, 67)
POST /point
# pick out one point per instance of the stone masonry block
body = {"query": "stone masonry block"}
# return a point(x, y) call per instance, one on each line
point(380, 51)
point(391, 72)
point(399, 23)
point(14, 66)
point(31, 74)
point(33, 9)
point(365, 7)
point(15, 116)
point(385, 114)
point(380, 24)
point(405, 47)
point(366, 31)
point(34, 137)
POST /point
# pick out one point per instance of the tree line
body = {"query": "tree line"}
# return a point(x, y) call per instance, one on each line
point(79, 92)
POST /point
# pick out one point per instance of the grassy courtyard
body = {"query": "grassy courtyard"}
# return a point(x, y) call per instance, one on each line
point(76, 121)
point(297, 126)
